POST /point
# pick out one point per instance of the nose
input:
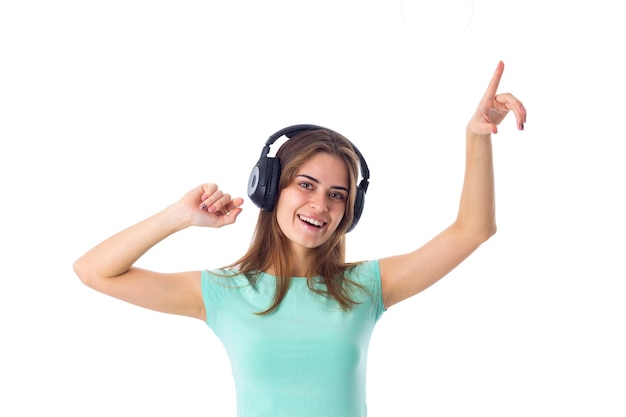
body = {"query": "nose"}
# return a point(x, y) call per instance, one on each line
point(318, 202)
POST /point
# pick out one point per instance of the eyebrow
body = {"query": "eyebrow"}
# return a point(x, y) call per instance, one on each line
point(315, 180)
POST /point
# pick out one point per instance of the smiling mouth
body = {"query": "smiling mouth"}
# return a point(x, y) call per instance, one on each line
point(311, 221)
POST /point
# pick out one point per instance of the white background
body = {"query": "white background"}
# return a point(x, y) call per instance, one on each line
point(111, 110)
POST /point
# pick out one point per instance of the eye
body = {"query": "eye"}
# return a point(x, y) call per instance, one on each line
point(337, 196)
point(305, 185)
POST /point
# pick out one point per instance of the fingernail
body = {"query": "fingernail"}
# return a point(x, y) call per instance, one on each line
point(212, 209)
point(521, 126)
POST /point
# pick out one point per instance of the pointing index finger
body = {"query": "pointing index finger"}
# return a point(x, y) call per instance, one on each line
point(495, 81)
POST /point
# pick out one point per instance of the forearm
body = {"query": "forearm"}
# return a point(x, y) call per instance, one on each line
point(117, 254)
point(477, 205)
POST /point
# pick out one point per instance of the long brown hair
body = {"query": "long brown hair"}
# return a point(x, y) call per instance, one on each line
point(270, 248)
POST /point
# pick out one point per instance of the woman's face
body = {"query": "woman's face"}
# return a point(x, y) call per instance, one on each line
point(310, 208)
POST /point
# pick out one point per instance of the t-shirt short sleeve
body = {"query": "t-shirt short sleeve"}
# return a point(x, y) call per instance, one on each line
point(367, 274)
point(215, 287)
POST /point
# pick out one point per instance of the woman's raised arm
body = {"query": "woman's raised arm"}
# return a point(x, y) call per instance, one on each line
point(406, 275)
point(108, 267)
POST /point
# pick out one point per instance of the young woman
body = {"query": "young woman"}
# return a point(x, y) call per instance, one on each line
point(295, 318)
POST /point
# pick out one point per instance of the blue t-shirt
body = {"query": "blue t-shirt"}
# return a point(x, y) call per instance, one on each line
point(307, 358)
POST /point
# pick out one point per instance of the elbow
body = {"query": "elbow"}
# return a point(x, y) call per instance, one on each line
point(93, 274)
point(478, 233)
point(82, 271)
point(490, 229)
point(79, 270)
point(487, 232)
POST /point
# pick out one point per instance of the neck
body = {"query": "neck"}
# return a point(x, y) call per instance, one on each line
point(301, 261)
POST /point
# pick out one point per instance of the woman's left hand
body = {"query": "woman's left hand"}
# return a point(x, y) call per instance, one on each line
point(494, 107)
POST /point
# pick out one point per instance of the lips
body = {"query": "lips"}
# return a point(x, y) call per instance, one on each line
point(311, 221)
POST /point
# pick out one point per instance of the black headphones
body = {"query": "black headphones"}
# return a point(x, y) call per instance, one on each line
point(265, 176)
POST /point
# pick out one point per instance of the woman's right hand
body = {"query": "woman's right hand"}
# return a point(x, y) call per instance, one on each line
point(208, 206)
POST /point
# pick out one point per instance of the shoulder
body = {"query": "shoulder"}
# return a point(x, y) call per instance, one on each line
point(217, 285)
point(220, 275)
point(366, 273)
point(219, 281)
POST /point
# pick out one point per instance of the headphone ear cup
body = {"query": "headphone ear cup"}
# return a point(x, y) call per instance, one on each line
point(359, 202)
point(254, 189)
point(263, 183)
point(273, 169)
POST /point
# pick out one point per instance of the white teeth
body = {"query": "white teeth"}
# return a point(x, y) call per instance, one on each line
point(312, 221)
